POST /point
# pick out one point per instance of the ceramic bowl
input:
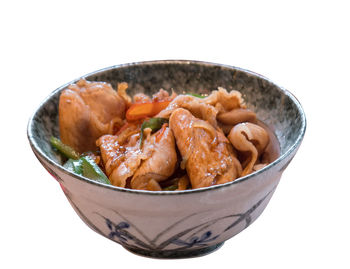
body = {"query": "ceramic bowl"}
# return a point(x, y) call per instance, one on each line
point(176, 224)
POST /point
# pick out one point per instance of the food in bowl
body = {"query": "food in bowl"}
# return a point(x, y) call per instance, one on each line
point(160, 142)
point(174, 224)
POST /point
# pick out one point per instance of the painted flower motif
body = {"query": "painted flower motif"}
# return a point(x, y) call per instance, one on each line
point(118, 230)
point(196, 241)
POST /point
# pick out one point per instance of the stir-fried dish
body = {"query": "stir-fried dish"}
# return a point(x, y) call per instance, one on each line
point(160, 142)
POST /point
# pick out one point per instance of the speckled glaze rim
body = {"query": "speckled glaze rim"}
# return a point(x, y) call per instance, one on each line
point(291, 149)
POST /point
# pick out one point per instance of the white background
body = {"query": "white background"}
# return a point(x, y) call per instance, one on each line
point(301, 45)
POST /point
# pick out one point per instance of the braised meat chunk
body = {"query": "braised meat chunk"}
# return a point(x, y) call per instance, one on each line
point(161, 142)
point(144, 165)
point(249, 138)
point(120, 160)
point(160, 165)
point(88, 110)
point(208, 156)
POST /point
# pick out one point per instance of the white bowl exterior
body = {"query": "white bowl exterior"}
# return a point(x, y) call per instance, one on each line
point(158, 222)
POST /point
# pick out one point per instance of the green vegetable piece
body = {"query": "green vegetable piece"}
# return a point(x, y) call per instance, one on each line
point(196, 95)
point(91, 170)
point(170, 188)
point(74, 166)
point(63, 148)
point(69, 165)
point(86, 167)
point(154, 123)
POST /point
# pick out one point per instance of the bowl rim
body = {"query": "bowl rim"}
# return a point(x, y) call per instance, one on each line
point(37, 150)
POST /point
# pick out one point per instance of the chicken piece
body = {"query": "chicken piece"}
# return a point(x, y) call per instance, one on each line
point(141, 98)
point(160, 165)
point(219, 101)
point(236, 116)
point(193, 104)
point(251, 138)
point(88, 110)
point(225, 101)
point(131, 160)
point(74, 122)
point(208, 155)
point(163, 95)
point(121, 160)
point(227, 120)
point(121, 90)
point(183, 183)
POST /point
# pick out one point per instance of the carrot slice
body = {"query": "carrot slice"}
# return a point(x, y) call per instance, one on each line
point(144, 110)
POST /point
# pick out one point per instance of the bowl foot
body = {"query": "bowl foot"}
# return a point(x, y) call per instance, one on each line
point(175, 254)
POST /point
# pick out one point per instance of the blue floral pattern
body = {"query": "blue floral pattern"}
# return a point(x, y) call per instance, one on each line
point(196, 241)
point(118, 230)
point(198, 236)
